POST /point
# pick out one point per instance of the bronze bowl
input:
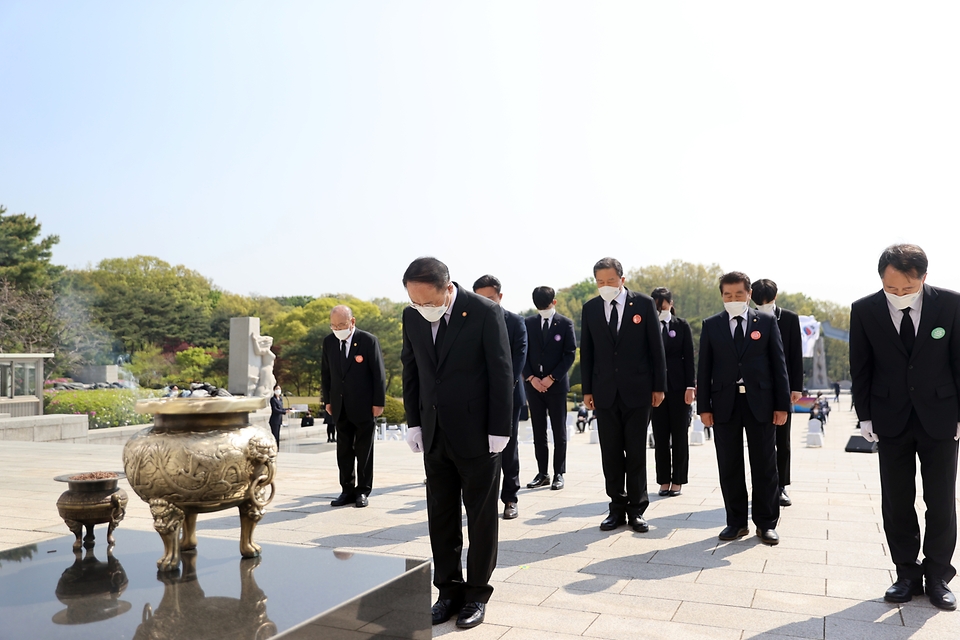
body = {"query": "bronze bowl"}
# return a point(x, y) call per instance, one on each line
point(201, 455)
point(88, 502)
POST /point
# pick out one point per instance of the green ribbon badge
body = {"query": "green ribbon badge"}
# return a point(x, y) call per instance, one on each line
point(938, 333)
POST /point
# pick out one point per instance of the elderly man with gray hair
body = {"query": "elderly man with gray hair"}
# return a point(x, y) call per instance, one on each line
point(353, 390)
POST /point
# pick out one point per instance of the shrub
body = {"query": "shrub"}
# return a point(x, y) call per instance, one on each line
point(393, 411)
point(104, 407)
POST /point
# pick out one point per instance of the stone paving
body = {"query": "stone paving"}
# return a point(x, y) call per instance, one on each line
point(560, 577)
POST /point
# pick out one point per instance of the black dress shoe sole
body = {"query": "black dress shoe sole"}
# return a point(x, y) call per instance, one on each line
point(741, 533)
point(556, 487)
point(471, 621)
point(900, 599)
point(663, 493)
point(768, 542)
point(342, 503)
point(535, 485)
point(611, 527)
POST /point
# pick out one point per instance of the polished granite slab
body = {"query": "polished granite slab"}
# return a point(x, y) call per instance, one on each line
point(48, 591)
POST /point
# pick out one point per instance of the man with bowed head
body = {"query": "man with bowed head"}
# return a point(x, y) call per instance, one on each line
point(905, 366)
point(458, 397)
point(624, 375)
point(353, 389)
point(742, 386)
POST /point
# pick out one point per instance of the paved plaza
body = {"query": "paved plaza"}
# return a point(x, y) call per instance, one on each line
point(560, 577)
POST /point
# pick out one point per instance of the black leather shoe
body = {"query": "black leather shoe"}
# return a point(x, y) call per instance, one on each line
point(613, 521)
point(557, 482)
point(471, 615)
point(674, 494)
point(785, 500)
point(510, 511)
point(663, 493)
point(362, 501)
point(768, 536)
point(940, 595)
point(541, 480)
point(443, 609)
point(903, 590)
point(638, 524)
point(342, 499)
point(733, 533)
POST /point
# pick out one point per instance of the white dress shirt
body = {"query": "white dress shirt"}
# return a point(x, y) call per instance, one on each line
point(435, 326)
point(897, 315)
point(621, 300)
point(349, 340)
point(733, 323)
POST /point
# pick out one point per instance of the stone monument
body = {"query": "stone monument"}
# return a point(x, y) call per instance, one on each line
point(251, 360)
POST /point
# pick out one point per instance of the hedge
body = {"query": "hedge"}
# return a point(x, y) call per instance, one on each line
point(104, 407)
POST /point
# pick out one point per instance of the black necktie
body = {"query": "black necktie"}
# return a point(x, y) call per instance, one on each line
point(343, 350)
point(907, 333)
point(614, 318)
point(441, 332)
point(665, 332)
point(546, 330)
point(738, 334)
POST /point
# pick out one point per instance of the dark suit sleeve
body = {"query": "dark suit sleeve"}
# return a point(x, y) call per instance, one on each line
point(689, 372)
point(379, 374)
point(569, 351)
point(411, 376)
point(496, 348)
point(518, 347)
point(586, 353)
point(778, 368)
point(704, 371)
point(795, 354)
point(955, 355)
point(861, 364)
point(325, 375)
point(658, 358)
point(527, 369)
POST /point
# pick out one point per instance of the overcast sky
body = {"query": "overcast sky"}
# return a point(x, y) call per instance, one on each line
point(289, 148)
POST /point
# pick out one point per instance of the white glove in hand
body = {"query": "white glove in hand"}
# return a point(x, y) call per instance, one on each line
point(866, 430)
point(415, 439)
point(497, 443)
point(957, 437)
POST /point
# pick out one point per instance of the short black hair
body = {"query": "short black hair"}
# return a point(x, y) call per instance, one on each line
point(543, 297)
point(427, 270)
point(660, 294)
point(733, 278)
point(764, 291)
point(908, 259)
point(608, 263)
point(487, 281)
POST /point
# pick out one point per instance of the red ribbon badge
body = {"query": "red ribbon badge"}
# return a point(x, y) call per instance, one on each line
point(359, 359)
point(755, 335)
point(637, 319)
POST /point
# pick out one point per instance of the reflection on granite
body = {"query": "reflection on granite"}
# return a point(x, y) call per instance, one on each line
point(299, 592)
point(91, 589)
point(186, 612)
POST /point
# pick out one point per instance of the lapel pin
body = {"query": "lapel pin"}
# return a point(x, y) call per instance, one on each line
point(637, 319)
point(557, 338)
point(464, 314)
point(672, 333)
point(359, 359)
point(755, 335)
point(938, 333)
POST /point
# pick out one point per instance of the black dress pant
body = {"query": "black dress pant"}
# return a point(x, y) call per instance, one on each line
point(510, 460)
point(276, 420)
point(762, 446)
point(474, 481)
point(554, 404)
point(355, 447)
point(938, 471)
point(670, 422)
point(783, 451)
point(623, 455)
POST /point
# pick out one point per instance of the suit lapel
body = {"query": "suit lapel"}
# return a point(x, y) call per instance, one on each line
point(626, 313)
point(752, 322)
point(458, 316)
point(354, 349)
point(882, 316)
point(727, 336)
point(929, 313)
point(426, 331)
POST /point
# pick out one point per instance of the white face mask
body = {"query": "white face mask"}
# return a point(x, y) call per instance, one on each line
point(665, 315)
point(767, 308)
point(735, 308)
point(902, 302)
point(276, 392)
point(546, 314)
point(609, 293)
point(340, 333)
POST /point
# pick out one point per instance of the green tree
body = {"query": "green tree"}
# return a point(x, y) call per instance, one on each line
point(25, 260)
point(152, 368)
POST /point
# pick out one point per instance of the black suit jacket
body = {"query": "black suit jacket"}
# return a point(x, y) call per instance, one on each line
point(678, 347)
point(633, 364)
point(760, 363)
point(789, 324)
point(517, 335)
point(553, 354)
point(468, 392)
point(357, 386)
point(887, 383)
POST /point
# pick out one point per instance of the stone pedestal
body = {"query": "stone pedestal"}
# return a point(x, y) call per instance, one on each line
point(245, 363)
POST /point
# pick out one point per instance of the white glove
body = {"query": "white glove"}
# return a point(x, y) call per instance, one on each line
point(866, 430)
point(415, 439)
point(497, 443)
point(957, 437)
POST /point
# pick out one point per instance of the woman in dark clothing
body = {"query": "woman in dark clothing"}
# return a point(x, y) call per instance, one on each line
point(672, 418)
point(276, 413)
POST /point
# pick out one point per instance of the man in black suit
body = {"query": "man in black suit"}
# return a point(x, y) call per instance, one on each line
point(489, 287)
point(551, 352)
point(905, 365)
point(765, 297)
point(353, 389)
point(458, 397)
point(742, 385)
point(624, 375)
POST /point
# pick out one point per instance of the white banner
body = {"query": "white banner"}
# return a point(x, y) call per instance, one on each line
point(809, 334)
